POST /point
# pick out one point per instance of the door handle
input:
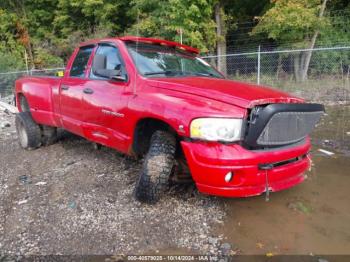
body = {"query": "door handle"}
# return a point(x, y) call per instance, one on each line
point(64, 87)
point(88, 91)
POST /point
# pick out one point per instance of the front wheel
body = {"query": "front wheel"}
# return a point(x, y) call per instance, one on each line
point(157, 168)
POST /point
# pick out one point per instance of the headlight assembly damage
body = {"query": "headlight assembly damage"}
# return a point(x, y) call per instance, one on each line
point(217, 129)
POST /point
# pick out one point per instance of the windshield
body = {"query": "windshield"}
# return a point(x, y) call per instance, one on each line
point(164, 61)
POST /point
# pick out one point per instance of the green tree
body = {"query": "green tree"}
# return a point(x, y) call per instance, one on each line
point(78, 20)
point(31, 28)
point(336, 33)
point(89, 16)
point(11, 51)
point(295, 21)
point(169, 18)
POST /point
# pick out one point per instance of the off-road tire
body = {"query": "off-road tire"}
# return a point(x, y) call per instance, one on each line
point(29, 133)
point(48, 135)
point(157, 167)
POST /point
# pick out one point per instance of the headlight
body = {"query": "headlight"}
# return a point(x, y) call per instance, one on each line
point(217, 129)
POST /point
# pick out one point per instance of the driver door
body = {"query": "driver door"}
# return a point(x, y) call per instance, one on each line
point(71, 91)
point(105, 102)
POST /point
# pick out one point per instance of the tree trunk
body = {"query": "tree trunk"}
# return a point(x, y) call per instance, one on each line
point(308, 54)
point(221, 37)
point(297, 68)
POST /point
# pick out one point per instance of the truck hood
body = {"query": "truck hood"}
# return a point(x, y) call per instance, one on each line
point(235, 93)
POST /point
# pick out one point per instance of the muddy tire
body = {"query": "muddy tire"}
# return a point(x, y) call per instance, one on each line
point(48, 135)
point(29, 133)
point(157, 167)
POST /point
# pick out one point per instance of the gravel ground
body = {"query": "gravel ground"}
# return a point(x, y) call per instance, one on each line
point(69, 198)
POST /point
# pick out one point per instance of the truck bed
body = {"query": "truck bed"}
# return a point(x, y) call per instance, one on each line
point(44, 92)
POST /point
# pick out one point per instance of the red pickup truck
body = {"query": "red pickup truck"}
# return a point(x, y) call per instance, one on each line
point(158, 99)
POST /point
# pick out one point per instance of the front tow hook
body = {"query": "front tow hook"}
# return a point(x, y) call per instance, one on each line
point(266, 167)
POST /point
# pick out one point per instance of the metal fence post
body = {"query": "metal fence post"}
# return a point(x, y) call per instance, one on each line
point(259, 64)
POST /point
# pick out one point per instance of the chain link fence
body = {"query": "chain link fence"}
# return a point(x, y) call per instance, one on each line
point(327, 81)
point(327, 77)
point(7, 79)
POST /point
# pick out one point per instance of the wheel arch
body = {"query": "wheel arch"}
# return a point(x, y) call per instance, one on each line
point(144, 130)
point(22, 102)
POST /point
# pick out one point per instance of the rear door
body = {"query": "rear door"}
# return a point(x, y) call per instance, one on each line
point(105, 102)
point(71, 91)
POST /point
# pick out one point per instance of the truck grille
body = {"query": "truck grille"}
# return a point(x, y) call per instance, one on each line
point(276, 125)
point(288, 127)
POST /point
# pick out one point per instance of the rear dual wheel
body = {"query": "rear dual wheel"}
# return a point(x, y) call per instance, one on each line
point(32, 135)
point(48, 135)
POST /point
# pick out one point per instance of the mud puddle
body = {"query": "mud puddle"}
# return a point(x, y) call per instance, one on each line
point(333, 132)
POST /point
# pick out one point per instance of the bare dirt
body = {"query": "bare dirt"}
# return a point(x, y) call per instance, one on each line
point(71, 199)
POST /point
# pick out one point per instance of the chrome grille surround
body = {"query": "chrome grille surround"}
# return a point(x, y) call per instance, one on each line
point(288, 127)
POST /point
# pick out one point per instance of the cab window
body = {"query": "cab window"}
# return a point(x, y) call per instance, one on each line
point(113, 59)
point(80, 62)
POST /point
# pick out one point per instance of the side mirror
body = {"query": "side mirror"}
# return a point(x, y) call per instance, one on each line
point(111, 74)
point(99, 69)
point(107, 73)
point(120, 77)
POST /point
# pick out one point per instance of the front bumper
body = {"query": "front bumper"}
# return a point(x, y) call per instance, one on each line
point(210, 162)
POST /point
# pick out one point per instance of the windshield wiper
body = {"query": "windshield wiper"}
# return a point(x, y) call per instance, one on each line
point(176, 72)
point(166, 72)
point(201, 74)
